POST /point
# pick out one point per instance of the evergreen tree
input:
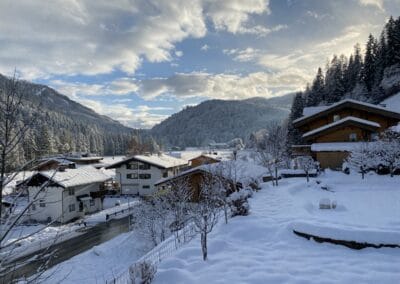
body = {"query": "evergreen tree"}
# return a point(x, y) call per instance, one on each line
point(293, 134)
point(316, 93)
point(392, 41)
point(45, 142)
point(334, 80)
point(369, 63)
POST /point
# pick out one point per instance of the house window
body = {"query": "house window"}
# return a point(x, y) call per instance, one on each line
point(165, 174)
point(71, 191)
point(133, 166)
point(336, 117)
point(132, 176)
point(91, 202)
point(146, 186)
point(71, 207)
point(144, 167)
point(42, 203)
point(353, 137)
point(145, 176)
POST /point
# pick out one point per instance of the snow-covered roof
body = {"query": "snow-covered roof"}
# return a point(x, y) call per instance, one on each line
point(340, 121)
point(338, 146)
point(371, 107)
point(312, 110)
point(75, 177)
point(213, 157)
point(243, 171)
point(159, 160)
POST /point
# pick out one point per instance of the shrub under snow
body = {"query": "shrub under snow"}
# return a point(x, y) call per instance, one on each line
point(239, 204)
point(142, 273)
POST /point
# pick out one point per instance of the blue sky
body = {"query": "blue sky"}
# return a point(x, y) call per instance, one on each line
point(140, 61)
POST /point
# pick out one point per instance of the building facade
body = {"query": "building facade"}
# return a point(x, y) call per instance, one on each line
point(138, 174)
point(330, 133)
point(62, 196)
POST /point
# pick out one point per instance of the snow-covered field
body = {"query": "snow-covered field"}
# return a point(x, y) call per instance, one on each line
point(100, 263)
point(261, 248)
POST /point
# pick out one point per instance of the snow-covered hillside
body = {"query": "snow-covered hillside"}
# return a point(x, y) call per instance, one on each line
point(261, 248)
point(393, 102)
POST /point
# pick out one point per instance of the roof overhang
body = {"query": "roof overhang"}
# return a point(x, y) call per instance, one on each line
point(348, 121)
point(347, 104)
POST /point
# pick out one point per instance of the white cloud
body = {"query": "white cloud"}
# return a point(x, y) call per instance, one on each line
point(140, 117)
point(303, 61)
point(205, 47)
point(71, 37)
point(261, 31)
point(179, 53)
point(377, 3)
point(121, 86)
point(233, 15)
point(222, 86)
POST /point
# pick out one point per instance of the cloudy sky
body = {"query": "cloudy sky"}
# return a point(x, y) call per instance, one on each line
point(139, 61)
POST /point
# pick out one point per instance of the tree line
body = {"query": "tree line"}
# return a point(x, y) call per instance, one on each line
point(362, 76)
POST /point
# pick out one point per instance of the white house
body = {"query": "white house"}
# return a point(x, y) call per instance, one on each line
point(138, 174)
point(69, 193)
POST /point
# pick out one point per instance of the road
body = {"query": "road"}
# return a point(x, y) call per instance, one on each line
point(62, 251)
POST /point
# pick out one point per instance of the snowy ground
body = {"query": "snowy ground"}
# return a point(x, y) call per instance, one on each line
point(100, 263)
point(261, 247)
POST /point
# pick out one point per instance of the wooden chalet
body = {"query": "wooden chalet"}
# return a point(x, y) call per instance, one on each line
point(330, 133)
point(235, 174)
point(202, 160)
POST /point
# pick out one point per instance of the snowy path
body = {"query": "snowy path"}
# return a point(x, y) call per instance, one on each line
point(261, 248)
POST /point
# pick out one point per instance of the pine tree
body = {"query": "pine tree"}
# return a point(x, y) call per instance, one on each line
point(392, 41)
point(45, 142)
point(293, 134)
point(316, 93)
point(369, 63)
point(334, 82)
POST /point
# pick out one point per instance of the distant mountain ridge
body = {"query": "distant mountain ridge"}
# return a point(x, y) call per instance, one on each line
point(221, 120)
point(64, 125)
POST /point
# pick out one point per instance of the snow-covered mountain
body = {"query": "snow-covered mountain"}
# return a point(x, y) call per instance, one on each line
point(221, 120)
point(68, 125)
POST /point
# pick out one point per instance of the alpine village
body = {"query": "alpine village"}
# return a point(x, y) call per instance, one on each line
point(220, 141)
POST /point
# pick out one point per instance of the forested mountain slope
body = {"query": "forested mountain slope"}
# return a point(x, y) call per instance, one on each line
point(63, 125)
point(221, 121)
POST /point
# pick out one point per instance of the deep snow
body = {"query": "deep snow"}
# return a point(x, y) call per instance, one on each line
point(261, 247)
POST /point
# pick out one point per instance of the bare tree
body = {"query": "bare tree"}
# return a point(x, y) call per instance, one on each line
point(177, 196)
point(272, 151)
point(151, 218)
point(204, 213)
point(307, 164)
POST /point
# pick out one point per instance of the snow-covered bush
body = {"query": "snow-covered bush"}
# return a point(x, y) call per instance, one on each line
point(142, 273)
point(382, 156)
point(239, 204)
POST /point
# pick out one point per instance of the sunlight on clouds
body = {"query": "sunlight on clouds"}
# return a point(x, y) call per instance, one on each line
point(140, 117)
point(376, 3)
point(99, 37)
point(221, 86)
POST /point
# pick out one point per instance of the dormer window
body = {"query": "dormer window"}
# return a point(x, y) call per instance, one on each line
point(336, 117)
point(353, 137)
